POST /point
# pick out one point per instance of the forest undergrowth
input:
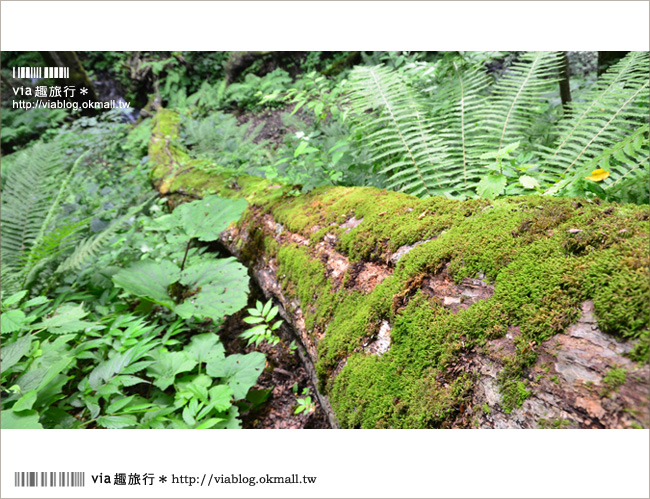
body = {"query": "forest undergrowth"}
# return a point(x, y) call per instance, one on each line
point(113, 306)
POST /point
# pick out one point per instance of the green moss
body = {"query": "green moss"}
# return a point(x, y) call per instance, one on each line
point(544, 256)
point(540, 281)
point(555, 424)
point(614, 378)
point(390, 220)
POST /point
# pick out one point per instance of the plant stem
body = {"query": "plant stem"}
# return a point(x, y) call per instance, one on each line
point(187, 248)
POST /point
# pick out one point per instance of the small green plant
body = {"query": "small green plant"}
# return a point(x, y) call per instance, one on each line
point(262, 316)
point(614, 378)
point(305, 403)
point(556, 424)
point(505, 173)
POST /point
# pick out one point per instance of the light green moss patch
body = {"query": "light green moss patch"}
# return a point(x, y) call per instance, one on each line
point(544, 256)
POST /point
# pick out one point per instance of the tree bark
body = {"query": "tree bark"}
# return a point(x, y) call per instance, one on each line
point(371, 315)
point(565, 85)
point(238, 62)
point(607, 58)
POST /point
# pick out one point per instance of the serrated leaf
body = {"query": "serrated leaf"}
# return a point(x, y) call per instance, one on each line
point(116, 422)
point(168, 365)
point(220, 397)
point(199, 392)
point(119, 404)
point(39, 300)
point(230, 419)
point(240, 371)
point(13, 352)
point(528, 182)
point(11, 321)
point(15, 298)
point(150, 280)
point(223, 287)
point(66, 319)
point(491, 186)
point(207, 218)
point(205, 347)
point(26, 420)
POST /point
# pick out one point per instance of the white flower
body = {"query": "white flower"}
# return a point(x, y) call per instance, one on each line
point(301, 135)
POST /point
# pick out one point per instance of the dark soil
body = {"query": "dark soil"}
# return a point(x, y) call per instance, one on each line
point(274, 127)
point(283, 371)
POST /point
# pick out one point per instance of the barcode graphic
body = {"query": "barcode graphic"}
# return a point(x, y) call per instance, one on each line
point(41, 72)
point(49, 479)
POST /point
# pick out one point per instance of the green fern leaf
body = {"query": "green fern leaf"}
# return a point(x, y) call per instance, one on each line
point(603, 117)
point(398, 131)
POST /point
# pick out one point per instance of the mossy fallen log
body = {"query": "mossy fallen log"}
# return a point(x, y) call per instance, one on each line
point(523, 312)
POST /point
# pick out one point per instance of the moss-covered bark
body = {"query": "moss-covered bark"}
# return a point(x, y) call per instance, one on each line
point(432, 312)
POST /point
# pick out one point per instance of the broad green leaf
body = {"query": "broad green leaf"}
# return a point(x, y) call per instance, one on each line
point(26, 420)
point(25, 402)
point(119, 404)
point(66, 319)
point(240, 371)
point(528, 182)
point(11, 321)
point(199, 392)
point(12, 353)
point(207, 218)
point(39, 300)
point(258, 397)
point(37, 379)
point(209, 423)
point(116, 422)
point(150, 280)
point(223, 287)
point(491, 186)
point(15, 298)
point(272, 313)
point(167, 365)
point(231, 420)
point(205, 347)
point(220, 397)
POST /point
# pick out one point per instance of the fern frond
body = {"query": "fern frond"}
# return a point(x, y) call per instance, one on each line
point(625, 159)
point(459, 102)
point(53, 244)
point(516, 98)
point(398, 131)
point(603, 117)
point(30, 193)
point(89, 249)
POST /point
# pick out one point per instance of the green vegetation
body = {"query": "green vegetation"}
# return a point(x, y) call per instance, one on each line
point(261, 316)
point(114, 300)
point(614, 378)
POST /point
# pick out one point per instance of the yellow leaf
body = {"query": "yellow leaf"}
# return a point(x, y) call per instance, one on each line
point(598, 175)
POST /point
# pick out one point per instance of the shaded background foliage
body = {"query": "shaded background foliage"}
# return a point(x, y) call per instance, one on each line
point(83, 348)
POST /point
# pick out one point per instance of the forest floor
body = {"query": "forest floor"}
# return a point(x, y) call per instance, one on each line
point(283, 371)
point(274, 127)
